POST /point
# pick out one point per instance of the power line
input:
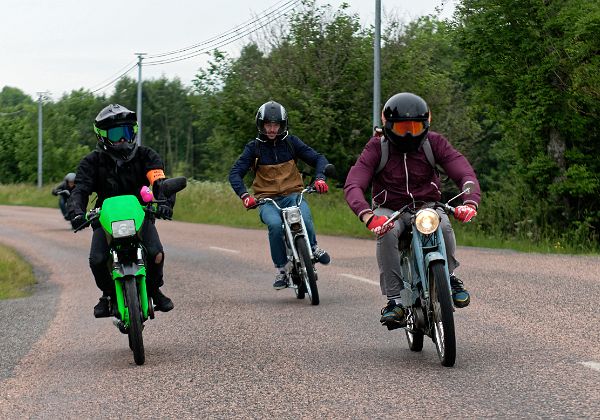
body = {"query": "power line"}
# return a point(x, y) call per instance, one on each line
point(113, 75)
point(231, 37)
point(115, 79)
point(6, 114)
point(235, 29)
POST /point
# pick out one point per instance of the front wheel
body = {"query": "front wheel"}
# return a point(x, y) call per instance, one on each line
point(136, 341)
point(442, 315)
point(307, 271)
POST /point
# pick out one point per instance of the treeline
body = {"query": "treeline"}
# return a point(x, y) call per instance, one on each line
point(514, 84)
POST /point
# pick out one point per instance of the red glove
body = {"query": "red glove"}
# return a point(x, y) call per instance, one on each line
point(248, 200)
point(465, 212)
point(321, 186)
point(375, 225)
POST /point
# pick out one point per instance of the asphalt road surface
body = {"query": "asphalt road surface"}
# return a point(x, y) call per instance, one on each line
point(528, 345)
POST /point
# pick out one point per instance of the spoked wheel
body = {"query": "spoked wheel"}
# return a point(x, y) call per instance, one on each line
point(307, 271)
point(136, 341)
point(443, 317)
point(414, 336)
point(300, 289)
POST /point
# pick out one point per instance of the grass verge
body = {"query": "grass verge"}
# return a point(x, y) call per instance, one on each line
point(215, 203)
point(16, 275)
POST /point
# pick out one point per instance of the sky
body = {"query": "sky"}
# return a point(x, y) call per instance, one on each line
point(56, 46)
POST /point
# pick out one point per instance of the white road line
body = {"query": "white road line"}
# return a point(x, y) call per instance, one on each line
point(350, 276)
point(216, 248)
point(592, 365)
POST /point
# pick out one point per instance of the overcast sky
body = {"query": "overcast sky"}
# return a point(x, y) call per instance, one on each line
point(62, 45)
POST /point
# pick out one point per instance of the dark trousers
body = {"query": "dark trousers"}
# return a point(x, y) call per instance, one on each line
point(99, 258)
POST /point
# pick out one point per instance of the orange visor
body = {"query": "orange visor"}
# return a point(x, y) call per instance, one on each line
point(402, 128)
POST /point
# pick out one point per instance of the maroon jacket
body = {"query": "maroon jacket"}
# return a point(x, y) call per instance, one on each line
point(406, 176)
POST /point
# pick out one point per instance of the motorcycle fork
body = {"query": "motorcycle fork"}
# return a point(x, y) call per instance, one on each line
point(123, 272)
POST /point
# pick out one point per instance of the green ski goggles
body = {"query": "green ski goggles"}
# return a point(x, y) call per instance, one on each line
point(115, 134)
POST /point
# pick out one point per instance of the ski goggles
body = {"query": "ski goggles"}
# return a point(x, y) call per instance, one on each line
point(115, 134)
point(403, 128)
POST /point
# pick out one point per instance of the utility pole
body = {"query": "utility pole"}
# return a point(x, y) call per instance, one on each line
point(377, 67)
point(139, 98)
point(39, 169)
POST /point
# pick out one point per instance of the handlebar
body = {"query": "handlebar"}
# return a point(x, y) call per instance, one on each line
point(411, 208)
point(307, 190)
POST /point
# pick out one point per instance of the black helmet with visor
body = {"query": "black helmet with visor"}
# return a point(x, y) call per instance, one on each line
point(116, 129)
point(407, 119)
point(272, 112)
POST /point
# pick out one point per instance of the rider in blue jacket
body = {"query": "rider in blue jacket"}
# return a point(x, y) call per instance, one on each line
point(272, 156)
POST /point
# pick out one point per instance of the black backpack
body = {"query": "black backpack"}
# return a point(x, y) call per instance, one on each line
point(385, 154)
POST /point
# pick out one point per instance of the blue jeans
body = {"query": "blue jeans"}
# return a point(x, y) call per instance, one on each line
point(271, 216)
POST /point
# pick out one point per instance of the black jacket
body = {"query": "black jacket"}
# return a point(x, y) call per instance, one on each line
point(99, 173)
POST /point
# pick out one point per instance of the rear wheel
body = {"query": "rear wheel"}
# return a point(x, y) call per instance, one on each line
point(442, 315)
point(307, 271)
point(414, 336)
point(136, 341)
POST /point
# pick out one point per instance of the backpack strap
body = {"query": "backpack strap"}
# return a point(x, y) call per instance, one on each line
point(385, 154)
point(429, 154)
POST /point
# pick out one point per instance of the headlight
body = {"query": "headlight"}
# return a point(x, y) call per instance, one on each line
point(427, 221)
point(292, 216)
point(123, 228)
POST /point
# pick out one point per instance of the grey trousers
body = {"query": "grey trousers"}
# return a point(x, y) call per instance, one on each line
point(388, 258)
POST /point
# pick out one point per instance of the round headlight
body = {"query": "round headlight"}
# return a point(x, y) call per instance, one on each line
point(427, 221)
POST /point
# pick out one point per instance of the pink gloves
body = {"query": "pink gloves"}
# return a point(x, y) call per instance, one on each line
point(465, 212)
point(375, 225)
point(321, 186)
point(249, 201)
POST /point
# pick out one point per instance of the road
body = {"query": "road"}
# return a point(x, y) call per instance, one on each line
point(528, 345)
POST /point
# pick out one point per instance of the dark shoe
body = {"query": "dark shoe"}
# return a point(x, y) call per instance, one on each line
point(321, 255)
point(393, 315)
point(460, 295)
point(102, 308)
point(281, 281)
point(161, 302)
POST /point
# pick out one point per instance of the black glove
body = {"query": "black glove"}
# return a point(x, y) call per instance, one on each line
point(164, 211)
point(78, 221)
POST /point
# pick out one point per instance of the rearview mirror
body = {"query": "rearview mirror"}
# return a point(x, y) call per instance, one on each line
point(168, 187)
point(468, 186)
point(329, 171)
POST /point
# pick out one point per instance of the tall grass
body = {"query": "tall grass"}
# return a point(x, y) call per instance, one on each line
point(16, 275)
point(215, 203)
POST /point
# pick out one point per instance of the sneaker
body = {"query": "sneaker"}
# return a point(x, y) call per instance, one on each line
point(321, 255)
point(281, 281)
point(161, 302)
point(393, 315)
point(102, 308)
point(460, 295)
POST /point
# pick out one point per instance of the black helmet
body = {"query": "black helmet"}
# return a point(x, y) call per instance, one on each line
point(407, 120)
point(116, 128)
point(70, 177)
point(272, 112)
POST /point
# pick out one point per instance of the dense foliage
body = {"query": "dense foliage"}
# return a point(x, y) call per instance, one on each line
point(512, 83)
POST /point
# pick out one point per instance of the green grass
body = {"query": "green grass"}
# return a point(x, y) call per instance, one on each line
point(16, 275)
point(215, 203)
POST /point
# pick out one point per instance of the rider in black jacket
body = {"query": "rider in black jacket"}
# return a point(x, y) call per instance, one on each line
point(119, 166)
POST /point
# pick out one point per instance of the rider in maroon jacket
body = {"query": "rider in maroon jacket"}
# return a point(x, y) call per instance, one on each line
point(407, 176)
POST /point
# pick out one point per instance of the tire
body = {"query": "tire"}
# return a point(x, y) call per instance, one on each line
point(443, 333)
point(300, 289)
point(414, 336)
point(307, 271)
point(136, 341)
